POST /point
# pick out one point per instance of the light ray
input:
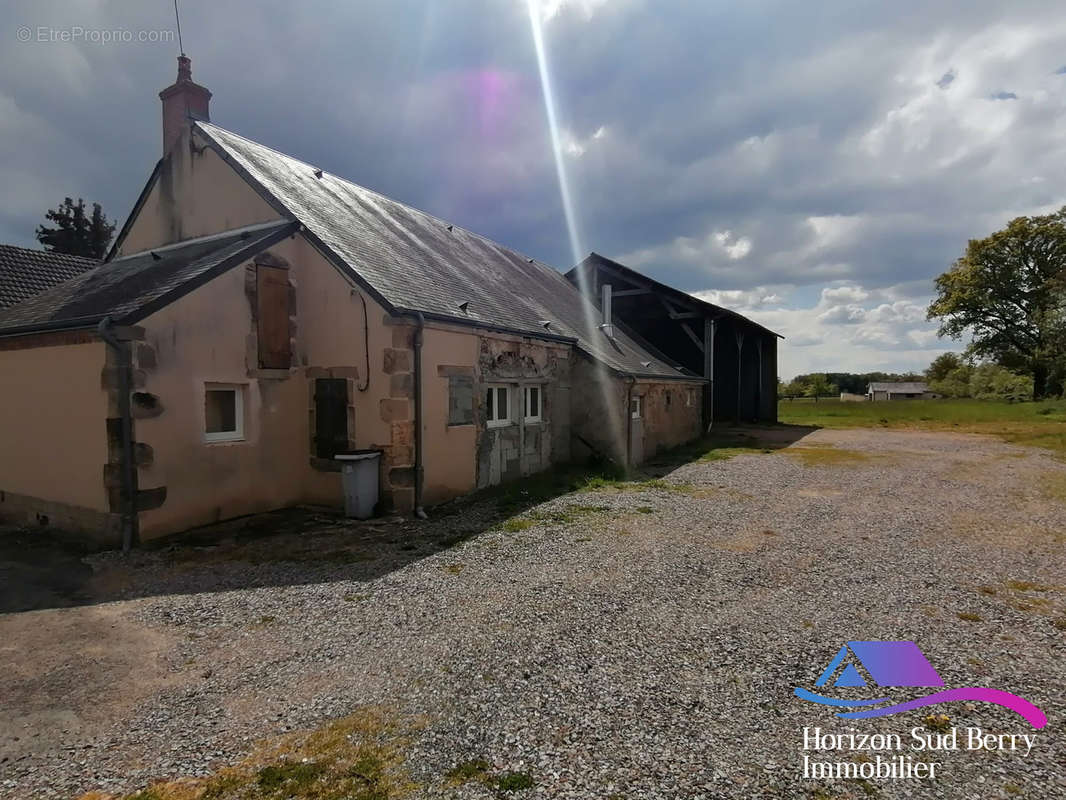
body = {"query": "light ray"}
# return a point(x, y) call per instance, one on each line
point(577, 249)
point(593, 334)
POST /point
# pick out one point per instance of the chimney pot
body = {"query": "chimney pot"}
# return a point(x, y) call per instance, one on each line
point(182, 100)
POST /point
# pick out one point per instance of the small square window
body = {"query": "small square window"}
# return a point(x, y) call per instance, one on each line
point(635, 407)
point(497, 406)
point(531, 407)
point(223, 413)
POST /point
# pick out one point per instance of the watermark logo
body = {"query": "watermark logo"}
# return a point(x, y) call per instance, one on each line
point(894, 664)
point(79, 34)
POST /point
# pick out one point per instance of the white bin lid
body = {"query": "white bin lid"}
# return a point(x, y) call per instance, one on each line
point(358, 456)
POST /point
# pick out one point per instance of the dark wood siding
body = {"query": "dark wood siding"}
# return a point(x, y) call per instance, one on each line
point(331, 417)
point(272, 293)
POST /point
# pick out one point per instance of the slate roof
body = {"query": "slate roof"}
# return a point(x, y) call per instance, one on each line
point(129, 288)
point(411, 261)
point(595, 259)
point(900, 387)
point(25, 273)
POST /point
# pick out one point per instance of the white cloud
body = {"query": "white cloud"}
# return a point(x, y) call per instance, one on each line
point(742, 300)
point(866, 334)
point(714, 248)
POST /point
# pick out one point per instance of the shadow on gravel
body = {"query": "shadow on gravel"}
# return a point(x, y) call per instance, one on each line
point(724, 443)
point(41, 569)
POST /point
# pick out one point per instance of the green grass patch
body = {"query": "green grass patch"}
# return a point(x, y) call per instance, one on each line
point(1041, 424)
point(474, 769)
point(629, 486)
point(359, 757)
point(558, 516)
point(513, 781)
point(517, 524)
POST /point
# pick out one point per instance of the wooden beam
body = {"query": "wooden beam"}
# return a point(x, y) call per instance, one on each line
point(695, 339)
point(685, 315)
point(631, 292)
point(615, 274)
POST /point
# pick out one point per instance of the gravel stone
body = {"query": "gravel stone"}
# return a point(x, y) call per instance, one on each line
point(646, 648)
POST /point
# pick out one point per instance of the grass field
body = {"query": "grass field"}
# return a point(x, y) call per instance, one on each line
point(1031, 424)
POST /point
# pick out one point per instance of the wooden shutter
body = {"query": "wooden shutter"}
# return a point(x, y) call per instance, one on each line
point(331, 416)
point(272, 293)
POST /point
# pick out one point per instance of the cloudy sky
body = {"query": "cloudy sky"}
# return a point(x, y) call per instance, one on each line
point(811, 165)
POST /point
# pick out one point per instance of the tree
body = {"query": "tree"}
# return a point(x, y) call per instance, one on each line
point(942, 366)
point(993, 382)
point(955, 383)
point(75, 233)
point(793, 389)
point(1003, 291)
point(819, 386)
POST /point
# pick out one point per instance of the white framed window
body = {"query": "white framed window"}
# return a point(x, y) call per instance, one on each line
point(498, 406)
point(531, 410)
point(636, 407)
point(223, 413)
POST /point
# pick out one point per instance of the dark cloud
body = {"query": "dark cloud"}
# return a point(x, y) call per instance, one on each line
point(754, 148)
point(1003, 96)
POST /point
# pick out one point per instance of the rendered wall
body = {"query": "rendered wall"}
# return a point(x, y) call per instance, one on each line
point(671, 414)
point(53, 426)
point(195, 194)
point(600, 414)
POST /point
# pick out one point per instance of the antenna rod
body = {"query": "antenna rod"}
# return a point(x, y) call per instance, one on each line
point(177, 21)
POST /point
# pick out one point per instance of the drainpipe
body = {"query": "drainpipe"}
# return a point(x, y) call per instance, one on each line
point(420, 512)
point(128, 472)
point(629, 422)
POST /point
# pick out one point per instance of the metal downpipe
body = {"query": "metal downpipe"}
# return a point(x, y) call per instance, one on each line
point(128, 468)
point(420, 512)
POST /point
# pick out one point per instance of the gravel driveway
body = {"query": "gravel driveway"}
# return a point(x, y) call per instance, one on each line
point(635, 643)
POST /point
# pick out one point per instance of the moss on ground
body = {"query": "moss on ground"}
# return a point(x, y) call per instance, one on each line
point(358, 757)
point(827, 456)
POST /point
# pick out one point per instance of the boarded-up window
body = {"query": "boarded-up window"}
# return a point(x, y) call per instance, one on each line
point(460, 400)
point(272, 295)
point(331, 417)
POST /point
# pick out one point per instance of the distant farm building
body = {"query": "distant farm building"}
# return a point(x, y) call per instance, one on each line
point(736, 356)
point(900, 390)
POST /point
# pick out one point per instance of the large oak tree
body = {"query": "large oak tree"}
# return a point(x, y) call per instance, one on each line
point(1007, 293)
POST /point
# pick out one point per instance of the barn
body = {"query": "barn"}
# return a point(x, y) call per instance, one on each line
point(739, 356)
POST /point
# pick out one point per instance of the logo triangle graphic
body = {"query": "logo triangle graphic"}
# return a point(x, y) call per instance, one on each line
point(850, 677)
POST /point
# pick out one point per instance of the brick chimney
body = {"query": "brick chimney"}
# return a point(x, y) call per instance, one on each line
point(181, 101)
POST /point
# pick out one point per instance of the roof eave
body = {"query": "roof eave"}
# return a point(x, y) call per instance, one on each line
point(481, 325)
point(572, 274)
point(144, 310)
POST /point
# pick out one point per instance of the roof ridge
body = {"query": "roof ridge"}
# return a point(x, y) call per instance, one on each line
point(429, 215)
